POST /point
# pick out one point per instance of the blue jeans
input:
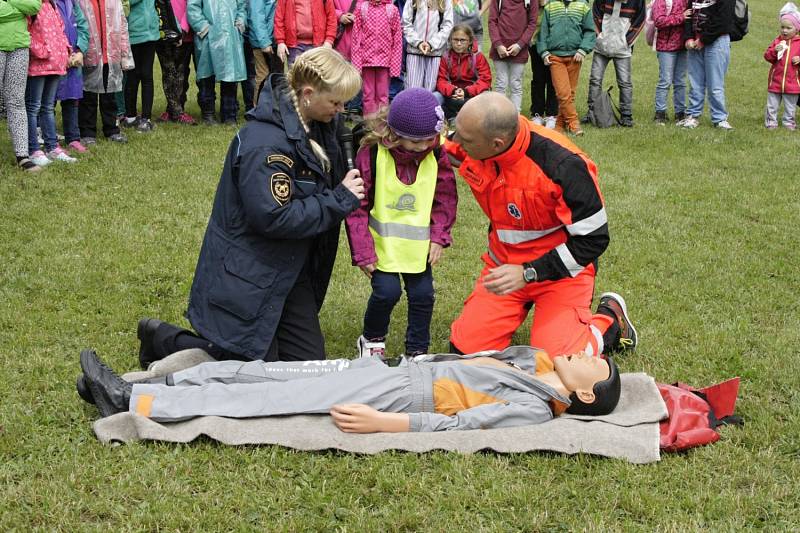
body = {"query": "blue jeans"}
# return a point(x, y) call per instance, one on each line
point(69, 118)
point(295, 51)
point(40, 101)
point(386, 292)
point(671, 72)
point(707, 69)
point(622, 68)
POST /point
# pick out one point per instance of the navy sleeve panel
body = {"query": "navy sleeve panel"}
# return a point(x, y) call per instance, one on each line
point(302, 214)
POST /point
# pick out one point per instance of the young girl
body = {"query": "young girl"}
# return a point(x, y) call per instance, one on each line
point(143, 33)
point(463, 72)
point(70, 88)
point(669, 18)
point(404, 220)
point(376, 51)
point(303, 24)
point(50, 53)
point(784, 75)
point(14, 53)
point(511, 27)
point(426, 26)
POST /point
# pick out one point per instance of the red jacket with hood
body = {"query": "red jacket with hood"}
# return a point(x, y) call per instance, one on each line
point(783, 76)
point(456, 72)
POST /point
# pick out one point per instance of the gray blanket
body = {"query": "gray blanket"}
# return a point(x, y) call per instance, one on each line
point(630, 432)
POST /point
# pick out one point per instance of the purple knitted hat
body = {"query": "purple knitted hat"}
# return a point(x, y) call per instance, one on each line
point(415, 114)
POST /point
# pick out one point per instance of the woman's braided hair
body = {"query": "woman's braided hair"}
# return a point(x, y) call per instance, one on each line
point(325, 70)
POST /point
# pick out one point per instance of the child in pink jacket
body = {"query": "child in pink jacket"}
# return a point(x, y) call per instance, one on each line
point(50, 52)
point(784, 75)
point(669, 18)
point(376, 50)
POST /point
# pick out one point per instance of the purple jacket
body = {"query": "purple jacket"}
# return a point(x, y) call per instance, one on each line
point(70, 87)
point(669, 25)
point(443, 213)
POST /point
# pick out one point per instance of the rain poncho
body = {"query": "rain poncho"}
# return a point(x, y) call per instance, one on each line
point(112, 48)
point(219, 53)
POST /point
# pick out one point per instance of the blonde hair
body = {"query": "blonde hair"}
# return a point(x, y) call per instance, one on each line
point(379, 132)
point(440, 5)
point(326, 70)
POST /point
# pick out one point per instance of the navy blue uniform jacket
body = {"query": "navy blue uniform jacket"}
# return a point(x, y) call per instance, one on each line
point(275, 212)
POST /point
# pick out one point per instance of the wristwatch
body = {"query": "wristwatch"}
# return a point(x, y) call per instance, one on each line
point(529, 273)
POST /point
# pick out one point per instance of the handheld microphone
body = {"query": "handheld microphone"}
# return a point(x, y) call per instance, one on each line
point(346, 140)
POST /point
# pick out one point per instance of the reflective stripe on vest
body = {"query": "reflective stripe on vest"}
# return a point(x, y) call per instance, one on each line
point(515, 236)
point(400, 218)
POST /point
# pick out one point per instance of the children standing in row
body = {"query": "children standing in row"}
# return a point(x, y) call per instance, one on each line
point(404, 221)
point(669, 17)
point(512, 24)
point(463, 72)
point(784, 75)
point(426, 26)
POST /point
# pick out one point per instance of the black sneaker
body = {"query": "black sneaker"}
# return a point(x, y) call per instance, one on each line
point(680, 116)
point(660, 118)
point(111, 393)
point(626, 121)
point(615, 305)
point(145, 332)
point(145, 126)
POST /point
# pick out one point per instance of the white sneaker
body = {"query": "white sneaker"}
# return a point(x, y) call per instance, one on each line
point(368, 348)
point(538, 120)
point(550, 123)
point(39, 159)
point(723, 125)
point(689, 123)
point(58, 154)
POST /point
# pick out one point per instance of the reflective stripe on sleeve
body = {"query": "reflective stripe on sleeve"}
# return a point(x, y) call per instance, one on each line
point(513, 236)
point(569, 262)
point(589, 224)
point(404, 231)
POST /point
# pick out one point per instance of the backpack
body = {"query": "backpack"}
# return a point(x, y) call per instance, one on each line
point(472, 62)
point(414, 16)
point(604, 114)
point(741, 20)
point(695, 414)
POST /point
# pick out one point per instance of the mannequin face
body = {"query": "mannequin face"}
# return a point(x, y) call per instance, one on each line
point(321, 106)
point(579, 373)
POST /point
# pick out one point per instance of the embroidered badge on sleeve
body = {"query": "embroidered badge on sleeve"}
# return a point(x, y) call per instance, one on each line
point(280, 158)
point(280, 185)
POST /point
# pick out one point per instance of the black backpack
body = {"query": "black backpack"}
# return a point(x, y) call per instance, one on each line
point(741, 20)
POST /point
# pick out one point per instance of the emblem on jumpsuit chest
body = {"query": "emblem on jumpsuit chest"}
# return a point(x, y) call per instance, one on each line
point(404, 203)
point(514, 211)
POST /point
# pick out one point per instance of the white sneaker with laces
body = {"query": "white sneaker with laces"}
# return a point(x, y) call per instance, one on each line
point(39, 159)
point(723, 125)
point(368, 348)
point(689, 123)
point(550, 123)
point(538, 120)
point(58, 154)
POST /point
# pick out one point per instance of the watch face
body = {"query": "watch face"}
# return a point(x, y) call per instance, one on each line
point(529, 274)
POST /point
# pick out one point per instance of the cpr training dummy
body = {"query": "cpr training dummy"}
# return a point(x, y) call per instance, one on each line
point(426, 393)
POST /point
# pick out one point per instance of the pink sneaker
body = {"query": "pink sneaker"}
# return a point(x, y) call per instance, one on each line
point(77, 147)
point(186, 118)
point(164, 117)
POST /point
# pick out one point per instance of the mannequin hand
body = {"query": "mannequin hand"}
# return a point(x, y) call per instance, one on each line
point(202, 33)
point(504, 279)
point(360, 418)
point(514, 49)
point(425, 47)
point(368, 269)
point(353, 182)
point(283, 52)
point(502, 51)
point(435, 253)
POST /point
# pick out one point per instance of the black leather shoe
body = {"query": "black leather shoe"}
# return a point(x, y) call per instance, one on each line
point(146, 331)
point(83, 389)
point(111, 393)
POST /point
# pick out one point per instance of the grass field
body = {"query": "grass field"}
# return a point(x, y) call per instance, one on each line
point(704, 247)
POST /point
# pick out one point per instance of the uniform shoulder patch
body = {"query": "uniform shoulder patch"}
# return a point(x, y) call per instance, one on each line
point(280, 158)
point(280, 185)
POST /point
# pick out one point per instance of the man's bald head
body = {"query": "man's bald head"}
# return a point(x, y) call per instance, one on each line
point(491, 120)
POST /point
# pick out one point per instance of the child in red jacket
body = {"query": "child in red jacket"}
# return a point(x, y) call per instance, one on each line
point(463, 72)
point(303, 24)
point(784, 75)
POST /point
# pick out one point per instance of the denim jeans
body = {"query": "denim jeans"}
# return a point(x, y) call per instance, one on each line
point(40, 101)
point(622, 67)
point(386, 292)
point(671, 72)
point(707, 69)
point(207, 96)
point(69, 119)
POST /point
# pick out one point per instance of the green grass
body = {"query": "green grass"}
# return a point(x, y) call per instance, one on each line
point(704, 247)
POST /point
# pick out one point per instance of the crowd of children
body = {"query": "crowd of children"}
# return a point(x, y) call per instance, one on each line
point(92, 55)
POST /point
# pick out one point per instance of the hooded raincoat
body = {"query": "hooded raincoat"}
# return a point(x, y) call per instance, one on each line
point(219, 52)
point(71, 85)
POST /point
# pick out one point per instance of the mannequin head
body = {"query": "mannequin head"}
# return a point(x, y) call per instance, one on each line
point(593, 383)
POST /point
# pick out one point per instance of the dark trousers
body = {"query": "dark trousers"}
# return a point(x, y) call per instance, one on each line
point(143, 56)
point(175, 74)
point(249, 85)
point(543, 95)
point(453, 105)
point(298, 337)
point(386, 292)
point(207, 97)
point(69, 119)
point(87, 111)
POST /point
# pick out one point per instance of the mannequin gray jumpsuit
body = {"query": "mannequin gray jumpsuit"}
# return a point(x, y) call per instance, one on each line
point(439, 392)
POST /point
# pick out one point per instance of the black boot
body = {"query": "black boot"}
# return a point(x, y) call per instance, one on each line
point(110, 392)
point(146, 332)
point(82, 385)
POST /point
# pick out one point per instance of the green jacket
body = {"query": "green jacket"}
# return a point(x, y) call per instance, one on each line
point(143, 22)
point(567, 28)
point(13, 24)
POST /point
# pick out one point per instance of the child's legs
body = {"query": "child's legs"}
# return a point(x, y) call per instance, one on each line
point(717, 58)
point(47, 113)
point(229, 105)
point(69, 118)
point(386, 293)
point(167, 58)
point(515, 73)
point(453, 105)
point(417, 71)
point(501, 76)
point(431, 72)
point(419, 288)
point(108, 113)
point(789, 109)
point(771, 111)
point(130, 87)
point(296, 51)
point(249, 83)
point(596, 74)
point(559, 71)
point(368, 103)
point(33, 103)
point(381, 86)
point(543, 99)
point(262, 71)
point(206, 95)
point(622, 68)
point(144, 66)
point(13, 68)
point(679, 81)
point(87, 114)
point(573, 72)
point(666, 67)
point(697, 81)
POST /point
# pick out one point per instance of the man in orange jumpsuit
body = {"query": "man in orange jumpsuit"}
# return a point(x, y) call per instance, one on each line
point(548, 228)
